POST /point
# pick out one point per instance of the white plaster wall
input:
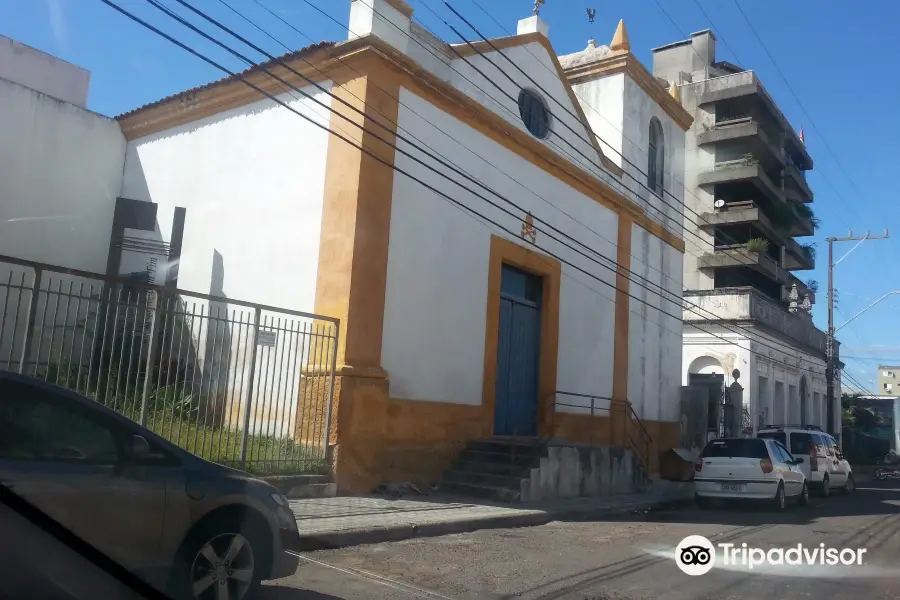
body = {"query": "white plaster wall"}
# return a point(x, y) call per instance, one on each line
point(60, 173)
point(667, 209)
point(572, 142)
point(603, 101)
point(252, 181)
point(436, 299)
point(43, 72)
point(379, 18)
point(654, 336)
point(758, 354)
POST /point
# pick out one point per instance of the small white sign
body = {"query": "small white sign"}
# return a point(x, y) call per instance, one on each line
point(266, 338)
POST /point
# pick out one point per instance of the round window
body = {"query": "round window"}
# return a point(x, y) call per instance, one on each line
point(534, 114)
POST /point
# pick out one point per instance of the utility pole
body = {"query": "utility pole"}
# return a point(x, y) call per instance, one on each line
point(829, 339)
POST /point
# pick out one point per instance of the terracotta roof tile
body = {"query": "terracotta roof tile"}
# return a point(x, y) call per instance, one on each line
point(285, 57)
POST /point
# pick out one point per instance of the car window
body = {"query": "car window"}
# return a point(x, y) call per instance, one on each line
point(736, 448)
point(774, 435)
point(38, 425)
point(819, 442)
point(785, 454)
point(800, 442)
point(829, 445)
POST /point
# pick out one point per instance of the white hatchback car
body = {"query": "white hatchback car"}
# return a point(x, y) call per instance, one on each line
point(748, 469)
point(824, 465)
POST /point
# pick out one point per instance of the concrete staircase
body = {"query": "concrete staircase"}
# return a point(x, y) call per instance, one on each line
point(530, 470)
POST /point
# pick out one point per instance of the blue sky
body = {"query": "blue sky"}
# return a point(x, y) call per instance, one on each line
point(836, 55)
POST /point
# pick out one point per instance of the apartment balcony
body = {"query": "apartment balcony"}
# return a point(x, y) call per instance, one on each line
point(742, 170)
point(747, 84)
point(796, 188)
point(797, 257)
point(747, 304)
point(738, 256)
point(748, 130)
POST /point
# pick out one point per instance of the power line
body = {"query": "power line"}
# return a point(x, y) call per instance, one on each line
point(276, 100)
point(797, 99)
point(752, 338)
point(499, 51)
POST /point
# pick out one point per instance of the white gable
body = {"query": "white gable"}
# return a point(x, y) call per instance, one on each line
point(479, 79)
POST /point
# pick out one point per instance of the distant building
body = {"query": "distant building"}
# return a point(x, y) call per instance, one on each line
point(888, 380)
point(747, 199)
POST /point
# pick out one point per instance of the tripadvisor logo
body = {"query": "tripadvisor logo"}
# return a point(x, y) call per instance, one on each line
point(696, 555)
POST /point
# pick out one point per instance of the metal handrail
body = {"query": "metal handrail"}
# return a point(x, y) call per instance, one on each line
point(637, 438)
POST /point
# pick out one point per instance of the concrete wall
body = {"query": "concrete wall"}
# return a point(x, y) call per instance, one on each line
point(697, 200)
point(43, 72)
point(654, 337)
point(436, 299)
point(60, 173)
point(252, 181)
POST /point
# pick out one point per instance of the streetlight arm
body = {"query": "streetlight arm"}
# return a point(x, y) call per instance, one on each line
point(867, 308)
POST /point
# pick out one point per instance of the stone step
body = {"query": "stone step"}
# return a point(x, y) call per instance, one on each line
point(487, 492)
point(517, 460)
point(488, 479)
point(509, 447)
point(496, 468)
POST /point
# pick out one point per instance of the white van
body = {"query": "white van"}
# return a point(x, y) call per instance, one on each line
point(824, 464)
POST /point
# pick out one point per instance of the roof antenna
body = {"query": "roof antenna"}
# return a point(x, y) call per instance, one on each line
point(591, 13)
point(537, 7)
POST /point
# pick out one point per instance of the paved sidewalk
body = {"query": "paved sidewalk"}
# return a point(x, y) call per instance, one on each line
point(350, 521)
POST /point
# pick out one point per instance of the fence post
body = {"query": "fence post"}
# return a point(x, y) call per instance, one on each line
point(29, 319)
point(151, 351)
point(334, 351)
point(250, 380)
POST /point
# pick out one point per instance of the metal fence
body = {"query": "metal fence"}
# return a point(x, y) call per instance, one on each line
point(238, 383)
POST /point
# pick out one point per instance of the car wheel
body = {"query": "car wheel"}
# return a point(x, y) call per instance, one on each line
point(826, 487)
point(219, 562)
point(850, 486)
point(703, 503)
point(803, 498)
point(879, 474)
point(779, 502)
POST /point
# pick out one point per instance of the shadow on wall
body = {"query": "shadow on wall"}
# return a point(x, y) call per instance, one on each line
point(218, 345)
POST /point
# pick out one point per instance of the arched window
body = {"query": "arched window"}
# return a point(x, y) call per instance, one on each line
point(656, 165)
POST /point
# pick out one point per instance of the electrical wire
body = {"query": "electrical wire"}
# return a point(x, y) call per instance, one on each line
point(273, 98)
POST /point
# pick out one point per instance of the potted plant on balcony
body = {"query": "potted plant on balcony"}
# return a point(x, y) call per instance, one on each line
point(757, 245)
point(806, 212)
point(810, 250)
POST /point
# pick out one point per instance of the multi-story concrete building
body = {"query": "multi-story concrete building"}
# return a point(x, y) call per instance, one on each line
point(747, 313)
point(888, 380)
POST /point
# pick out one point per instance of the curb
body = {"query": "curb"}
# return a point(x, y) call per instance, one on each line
point(396, 533)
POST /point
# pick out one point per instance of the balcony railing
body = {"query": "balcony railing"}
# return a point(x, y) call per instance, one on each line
point(799, 179)
point(742, 84)
point(739, 256)
point(743, 304)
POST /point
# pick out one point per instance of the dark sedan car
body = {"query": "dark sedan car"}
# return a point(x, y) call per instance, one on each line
point(189, 527)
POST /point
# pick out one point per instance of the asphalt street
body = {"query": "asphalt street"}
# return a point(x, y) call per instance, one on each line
point(628, 558)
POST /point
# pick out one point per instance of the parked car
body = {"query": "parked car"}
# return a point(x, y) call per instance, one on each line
point(748, 469)
point(824, 464)
point(187, 526)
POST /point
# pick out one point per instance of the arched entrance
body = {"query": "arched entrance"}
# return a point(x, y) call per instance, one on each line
point(707, 374)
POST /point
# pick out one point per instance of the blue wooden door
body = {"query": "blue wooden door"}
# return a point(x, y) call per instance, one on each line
point(518, 354)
